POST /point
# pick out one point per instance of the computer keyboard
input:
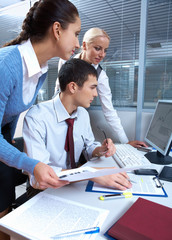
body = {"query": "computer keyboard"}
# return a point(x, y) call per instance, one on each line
point(128, 156)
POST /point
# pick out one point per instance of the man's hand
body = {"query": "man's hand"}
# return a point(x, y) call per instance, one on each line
point(137, 144)
point(46, 177)
point(107, 149)
point(118, 180)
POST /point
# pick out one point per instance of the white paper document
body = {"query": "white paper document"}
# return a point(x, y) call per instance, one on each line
point(84, 173)
point(142, 185)
point(45, 216)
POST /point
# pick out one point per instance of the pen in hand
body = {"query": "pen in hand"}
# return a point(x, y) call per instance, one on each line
point(131, 180)
point(103, 133)
point(82, 231)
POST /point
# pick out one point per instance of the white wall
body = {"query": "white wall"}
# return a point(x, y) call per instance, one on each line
point(128, 120)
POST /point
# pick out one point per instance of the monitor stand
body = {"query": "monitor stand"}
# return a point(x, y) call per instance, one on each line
point(158, 158)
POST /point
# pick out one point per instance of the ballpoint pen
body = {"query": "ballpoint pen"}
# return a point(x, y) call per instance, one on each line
point(131, 180)
point(82, 231)
point(103, 133)
point(116, 196)
point(102, 153)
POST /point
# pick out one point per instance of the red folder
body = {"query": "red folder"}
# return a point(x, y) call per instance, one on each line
point(145, 220)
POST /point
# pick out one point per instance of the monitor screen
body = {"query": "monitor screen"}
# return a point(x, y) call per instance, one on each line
point(159, 134)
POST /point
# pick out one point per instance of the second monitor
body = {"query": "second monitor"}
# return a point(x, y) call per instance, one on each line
point(159, 134)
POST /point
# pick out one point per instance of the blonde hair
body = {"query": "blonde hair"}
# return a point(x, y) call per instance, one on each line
point(93, 33)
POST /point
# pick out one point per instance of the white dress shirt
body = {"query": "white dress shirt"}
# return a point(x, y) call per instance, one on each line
point(105, 95)
point(45, 129)
point(31, 70)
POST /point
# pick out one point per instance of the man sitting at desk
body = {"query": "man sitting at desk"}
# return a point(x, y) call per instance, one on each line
point(45, 125)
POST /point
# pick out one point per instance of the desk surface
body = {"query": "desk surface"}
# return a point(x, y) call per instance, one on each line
point(76, 192)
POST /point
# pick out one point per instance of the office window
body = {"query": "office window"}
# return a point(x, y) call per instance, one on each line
point(122, 23)
point(158, 72)
point(12, 14)
point(121, 20)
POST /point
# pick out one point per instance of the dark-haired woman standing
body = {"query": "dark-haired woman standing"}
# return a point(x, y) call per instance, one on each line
point(49, 30)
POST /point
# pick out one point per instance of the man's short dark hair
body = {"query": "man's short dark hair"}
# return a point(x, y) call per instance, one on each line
point(75, 70)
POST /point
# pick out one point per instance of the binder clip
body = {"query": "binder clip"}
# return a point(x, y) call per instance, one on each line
point(157, 182)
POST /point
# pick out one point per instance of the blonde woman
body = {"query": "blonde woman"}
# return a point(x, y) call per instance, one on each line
point(94, 47)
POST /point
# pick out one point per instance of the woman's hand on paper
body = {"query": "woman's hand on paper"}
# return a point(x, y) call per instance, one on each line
point(46, 177)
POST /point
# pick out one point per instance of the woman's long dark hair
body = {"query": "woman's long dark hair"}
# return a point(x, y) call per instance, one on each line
point(42, 16)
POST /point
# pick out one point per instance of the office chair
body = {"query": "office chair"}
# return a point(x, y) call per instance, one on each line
point(19, 144)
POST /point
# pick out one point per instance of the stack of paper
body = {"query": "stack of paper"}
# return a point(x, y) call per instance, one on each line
point(45, 216)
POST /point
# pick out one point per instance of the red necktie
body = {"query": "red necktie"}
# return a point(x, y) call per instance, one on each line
point(69, 144)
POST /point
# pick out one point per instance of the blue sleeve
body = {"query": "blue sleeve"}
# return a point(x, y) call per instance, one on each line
point(9, 154)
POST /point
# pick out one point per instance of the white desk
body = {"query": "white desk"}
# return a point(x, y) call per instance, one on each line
point(117, 207)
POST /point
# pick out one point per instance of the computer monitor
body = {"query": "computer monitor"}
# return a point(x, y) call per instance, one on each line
point(159, 134)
